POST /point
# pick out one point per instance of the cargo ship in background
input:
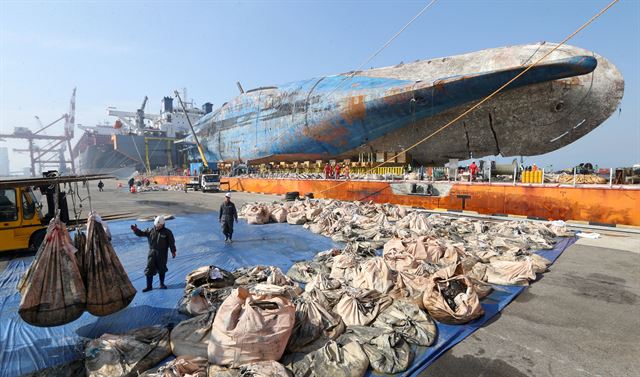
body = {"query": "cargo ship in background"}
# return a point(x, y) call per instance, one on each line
point(137, 140)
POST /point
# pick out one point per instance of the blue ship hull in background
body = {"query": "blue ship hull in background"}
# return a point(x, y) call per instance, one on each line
point(390, 109)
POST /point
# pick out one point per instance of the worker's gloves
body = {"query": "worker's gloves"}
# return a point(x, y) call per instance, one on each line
point(134, 227)
point(173, 253)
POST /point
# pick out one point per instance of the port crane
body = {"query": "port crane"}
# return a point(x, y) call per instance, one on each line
point(53, 151)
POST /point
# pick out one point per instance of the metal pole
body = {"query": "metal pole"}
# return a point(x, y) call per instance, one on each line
point(610, 177)
point(515, 173)
point(574, 177)
point(195, 137)
point(542, 177)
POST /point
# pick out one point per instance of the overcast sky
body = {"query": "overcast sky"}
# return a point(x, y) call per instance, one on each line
point(117, 52)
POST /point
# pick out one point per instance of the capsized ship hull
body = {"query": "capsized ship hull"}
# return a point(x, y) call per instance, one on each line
point(389, 109)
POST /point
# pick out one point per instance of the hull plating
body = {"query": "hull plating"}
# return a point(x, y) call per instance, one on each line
point(389, 109)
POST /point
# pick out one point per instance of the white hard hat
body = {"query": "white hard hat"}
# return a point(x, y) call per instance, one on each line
point(159, 220)
point(228, 195)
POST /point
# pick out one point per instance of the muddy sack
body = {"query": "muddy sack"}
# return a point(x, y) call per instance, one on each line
point(332, 360)
point(52, 289)
point(107, 283)
point(305, 271)
point(191, 337)
point(264, 369)
point(248, 329)
point(314, 325)
point(387, 351)
point(202, 300)
point(214, 276)
point(181, 366)
point(374, 274)
point(359, 307)
point(278, 214)
point(128, 354)
point(408, 320)
point(257, 214)
point(296, 215)
point(450, 297)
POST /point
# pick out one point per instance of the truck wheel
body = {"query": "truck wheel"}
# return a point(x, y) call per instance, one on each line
point(36, 240)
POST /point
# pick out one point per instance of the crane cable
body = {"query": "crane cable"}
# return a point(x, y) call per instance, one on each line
point(489, 96)
point(355, 72)
point(384, 46)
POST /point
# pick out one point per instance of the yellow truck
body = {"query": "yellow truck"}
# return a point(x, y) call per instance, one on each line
point(21, 220)
point(22, 223)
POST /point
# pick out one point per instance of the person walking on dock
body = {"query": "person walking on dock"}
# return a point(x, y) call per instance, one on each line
point(337, 170)
point(345, 170)
point(100, 186)
point(160, 241)
point(226, 217)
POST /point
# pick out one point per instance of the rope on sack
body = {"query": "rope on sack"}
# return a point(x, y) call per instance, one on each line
point(487, 98)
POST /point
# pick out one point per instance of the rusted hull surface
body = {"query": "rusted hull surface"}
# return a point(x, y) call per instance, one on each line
point(596, 204)
point(389, 109)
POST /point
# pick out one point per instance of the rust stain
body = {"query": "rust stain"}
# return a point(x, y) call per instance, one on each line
point(328, 132)
point(355, 109)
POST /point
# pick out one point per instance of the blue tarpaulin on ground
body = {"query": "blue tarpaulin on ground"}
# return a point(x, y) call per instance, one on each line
point(25, 348)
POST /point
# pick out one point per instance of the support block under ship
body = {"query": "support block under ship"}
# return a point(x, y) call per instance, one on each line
point(138, 141)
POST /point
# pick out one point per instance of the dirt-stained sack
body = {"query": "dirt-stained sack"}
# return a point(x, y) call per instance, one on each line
point(128, 354)
point(359, 307)
point(257, 214)
point(191, 337)
point(278, 214)
point(408, 320)
point(52, 289)
point(387, 351)
point(374, 274)
point(314, 325)
point(332, 360)
point(248, 329)
point(106, 281)
point(181, 366)
point(450, 297)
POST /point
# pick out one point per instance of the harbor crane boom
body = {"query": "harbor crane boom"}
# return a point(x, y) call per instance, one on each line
point(193, 132)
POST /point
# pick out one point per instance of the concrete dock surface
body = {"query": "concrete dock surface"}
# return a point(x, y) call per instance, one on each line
point(581, 318)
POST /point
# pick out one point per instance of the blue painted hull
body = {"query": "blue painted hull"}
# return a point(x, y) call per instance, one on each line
point(339, 115)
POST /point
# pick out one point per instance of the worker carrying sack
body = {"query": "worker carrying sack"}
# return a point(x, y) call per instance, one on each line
point(108, 286)
point(247, 329)
point(450, 297)
point(52, 289)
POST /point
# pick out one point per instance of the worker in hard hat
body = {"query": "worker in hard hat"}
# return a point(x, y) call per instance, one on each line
point(160, 241)
point(226, 216)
